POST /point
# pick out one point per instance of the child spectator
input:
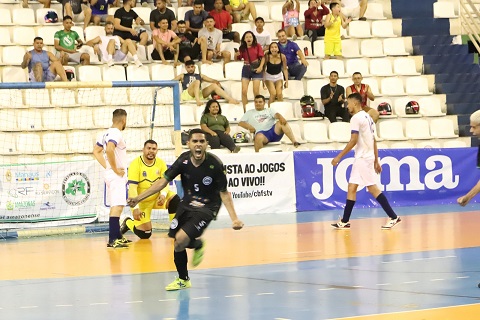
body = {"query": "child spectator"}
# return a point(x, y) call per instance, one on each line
point(291, 21)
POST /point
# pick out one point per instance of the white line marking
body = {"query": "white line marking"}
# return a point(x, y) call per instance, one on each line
point(138, 301)
point(419, 259)
point(296, 291)
point(200, 298)
point(167, 300)
point(64, 305)
point(264, 293)
point(28, 307)
point(437, 279)
point(234, 296)
point(464, 277)
point(357, 286)
point(281, 319)
point(409, 282)
point(383, 284)
point(98, 303)
point(326, 289)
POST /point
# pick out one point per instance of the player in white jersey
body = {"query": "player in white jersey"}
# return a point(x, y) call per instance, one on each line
point(366, 165)
point(112, 48)
point(110, 151)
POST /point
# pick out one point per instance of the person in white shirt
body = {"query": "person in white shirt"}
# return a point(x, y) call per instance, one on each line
point(112, 48)
point(110, 151)
point(264, 38)
point(366, 165)
point(210, 39)
point(353, 8)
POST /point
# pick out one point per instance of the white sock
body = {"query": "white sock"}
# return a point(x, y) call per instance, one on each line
point(135, 57)
point(110, 57)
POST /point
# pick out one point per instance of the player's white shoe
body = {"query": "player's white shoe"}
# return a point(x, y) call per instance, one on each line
point(391, 223)
point(341, 225)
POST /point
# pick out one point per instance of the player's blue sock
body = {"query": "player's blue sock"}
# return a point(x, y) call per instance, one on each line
point(114, 229)
point(347, 212)
point(181, 260)
point(386, 206)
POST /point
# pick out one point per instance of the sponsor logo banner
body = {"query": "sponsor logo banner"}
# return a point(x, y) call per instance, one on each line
point(412, 177)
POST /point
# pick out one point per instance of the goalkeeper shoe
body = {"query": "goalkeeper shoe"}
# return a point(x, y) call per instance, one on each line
point(178, 284)
point(117, 244)
point(198, 255)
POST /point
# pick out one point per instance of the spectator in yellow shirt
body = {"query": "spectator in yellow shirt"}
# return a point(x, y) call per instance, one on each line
point(241, 9)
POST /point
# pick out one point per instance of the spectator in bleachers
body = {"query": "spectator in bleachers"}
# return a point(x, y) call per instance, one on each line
point(252, 54)
point(223, 22)
point(67, 43)
point(123, 23)
point(264, 38)
point(366, 92)
point(217, 127)
point(112, 48)
point(241, 9)
point(209, 5)
point(264, 125)
point(333, 22)
point(191, 85)
point(165, 43)
point(210, 39)
point(189, 48)
point(275, 71)
point(162, 12)
point(291, 19)
point(75, 8)
point(46, 3)
point(42, 65)
point(292, 52)
point(99, 12)
point(314, 27)
point(194, 18)
point(354, 8)
point(145, 3)
point(333, 99)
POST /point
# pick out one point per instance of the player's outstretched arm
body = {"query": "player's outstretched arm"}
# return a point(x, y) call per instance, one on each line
point(154, 188)
point(228, 202)
point(464, 200)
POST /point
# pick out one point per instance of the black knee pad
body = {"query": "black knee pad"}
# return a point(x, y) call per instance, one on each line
point(173, 204)
point(142, 234)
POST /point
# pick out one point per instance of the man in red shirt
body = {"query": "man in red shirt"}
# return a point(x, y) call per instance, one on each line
point(223, 22)
point(365, 91)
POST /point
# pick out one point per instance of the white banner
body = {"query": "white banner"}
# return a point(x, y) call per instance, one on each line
point(48, 194)
point(260, 182)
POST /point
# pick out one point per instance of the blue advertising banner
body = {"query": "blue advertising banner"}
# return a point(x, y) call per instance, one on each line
point(410, 177)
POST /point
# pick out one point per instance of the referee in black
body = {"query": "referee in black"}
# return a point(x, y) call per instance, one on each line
point(205, 188)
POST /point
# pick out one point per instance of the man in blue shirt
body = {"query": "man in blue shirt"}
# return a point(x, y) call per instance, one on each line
point(292, 52)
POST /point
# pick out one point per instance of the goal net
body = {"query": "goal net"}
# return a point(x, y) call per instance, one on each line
point(49, 181)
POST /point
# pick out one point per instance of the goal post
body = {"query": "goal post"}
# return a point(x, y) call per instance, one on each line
point(49, 180)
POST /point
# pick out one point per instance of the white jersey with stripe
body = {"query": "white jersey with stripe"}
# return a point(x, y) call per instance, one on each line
point(363, 124)
point(115, 136)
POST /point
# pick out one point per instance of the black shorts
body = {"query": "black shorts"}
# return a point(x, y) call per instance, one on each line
point(127, 35)
point(229, 35)
point(167, 54)
point(192, 221)
point(192, 52)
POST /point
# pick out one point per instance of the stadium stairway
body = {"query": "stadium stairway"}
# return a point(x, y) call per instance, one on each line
point(456, 74)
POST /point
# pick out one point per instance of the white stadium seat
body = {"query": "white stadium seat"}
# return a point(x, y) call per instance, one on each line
point(23, 17)
point(391, 130)
point(8, 120)
point(295, 90)
point(29, 143)
point(399, 106)
point(394, 47)
point(417, 86)
point(92, 32)
point(285, 108)
point(23, 36)
point(163, 72)
point(455, 144)
point(314, 86)
point(8, 145)
point(181, 12)
point(357, 65)
point(55, 119)
point(314, 69)
point(392, 86)
point(29, 120)
point(5, 17)
point(359, 29)
point(383, 29)
point(55, 142)
point(430, 107)
point(14, 74)
point(351, 48)
point(214, 71)
point(80, 118)
point(374, 11)
point(13, 55)
point(405, 67)
point(339, 131)
point(417, 129)
point(315, 132)
point(381, 67)
point(372, 48)
point(47, 34)
point(319, 48)
point(330, 65)
point(233, 70)
point(233, 112)
point(40, 16)
point(81, 141)
point(444, 9)
point(442, 128)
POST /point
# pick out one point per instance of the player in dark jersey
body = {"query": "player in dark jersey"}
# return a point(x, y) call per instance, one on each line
point(204, 186)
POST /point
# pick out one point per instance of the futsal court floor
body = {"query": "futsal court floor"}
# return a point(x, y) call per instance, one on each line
point(280, 266)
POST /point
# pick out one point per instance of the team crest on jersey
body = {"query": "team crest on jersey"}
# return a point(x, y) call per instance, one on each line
point(174, 224)
point(207, 180)
point(144, 173)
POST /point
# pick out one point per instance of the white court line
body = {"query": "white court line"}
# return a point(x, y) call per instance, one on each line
point(234, 296)
point(64, 305)
point(437, 279)
point(409, 282)
point(98, 303)
point(281, 319)
point(296, 291)
point(264, 293)
point(383, 284)
point(326, 289)
point(200, 298)
point(28, 307)
point(161, 300)
point(464, 277)
point(357, 286)
point(419, 259)
point(138, 301)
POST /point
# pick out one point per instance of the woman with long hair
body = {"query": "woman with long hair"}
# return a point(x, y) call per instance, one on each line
point(314, 27)
point(252, 54)
point(275, 71)
point(217, 127)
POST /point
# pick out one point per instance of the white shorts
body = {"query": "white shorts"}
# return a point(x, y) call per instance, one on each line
point(274, 77)
point(353, 12)
point(363, 172)
point(116, 189)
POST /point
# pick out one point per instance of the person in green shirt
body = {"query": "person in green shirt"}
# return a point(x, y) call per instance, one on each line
point(68, 43)
point(217, 127)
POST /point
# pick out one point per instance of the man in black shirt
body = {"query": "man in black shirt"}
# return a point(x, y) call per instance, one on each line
point(162, 12)
point(333, 99)
point(123, 22)
point(188, 47)
point(194, 18)
point(204, 186)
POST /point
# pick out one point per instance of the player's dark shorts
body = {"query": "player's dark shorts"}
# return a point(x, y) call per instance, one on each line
point(192, 52)
point(271, 135)
point(229, 35)
point(192, 221)
point(127, 35)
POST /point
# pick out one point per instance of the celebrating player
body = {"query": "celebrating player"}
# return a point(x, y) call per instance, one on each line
point(366, 166)
point(143, 171)
point(205, 188)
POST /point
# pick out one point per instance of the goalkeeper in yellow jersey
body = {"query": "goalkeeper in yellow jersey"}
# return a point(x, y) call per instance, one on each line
point(143, 171)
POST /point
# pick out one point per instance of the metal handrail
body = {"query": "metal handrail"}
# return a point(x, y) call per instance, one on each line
point(469, 23)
